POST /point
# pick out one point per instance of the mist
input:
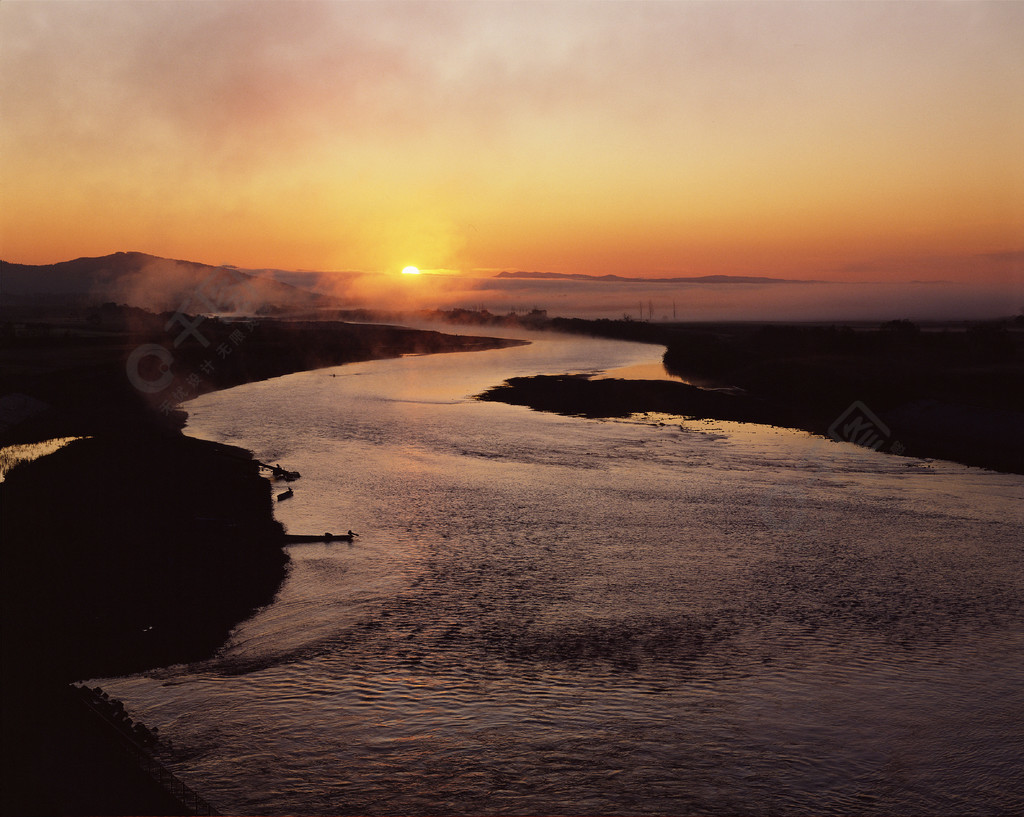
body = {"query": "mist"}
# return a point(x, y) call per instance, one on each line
point(783, 301)
point(153, 283)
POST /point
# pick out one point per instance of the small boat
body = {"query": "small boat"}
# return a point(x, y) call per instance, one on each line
point(285, 495)
point(295, 538)
point(280, 473)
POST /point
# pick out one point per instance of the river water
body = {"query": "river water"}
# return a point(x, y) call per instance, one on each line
point(548, 614)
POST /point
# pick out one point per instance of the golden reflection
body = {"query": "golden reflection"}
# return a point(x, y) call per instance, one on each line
point(13, 455)
point(639, 371)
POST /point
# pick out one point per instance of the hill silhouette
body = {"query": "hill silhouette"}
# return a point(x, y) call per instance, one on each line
point(150, 282)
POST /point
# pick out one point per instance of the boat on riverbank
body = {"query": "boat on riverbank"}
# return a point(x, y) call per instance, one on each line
point(277, 472)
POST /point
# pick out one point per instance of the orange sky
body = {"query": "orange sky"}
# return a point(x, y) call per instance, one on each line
point(855, 141)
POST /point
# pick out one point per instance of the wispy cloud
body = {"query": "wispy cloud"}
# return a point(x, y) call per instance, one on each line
point(629, 138)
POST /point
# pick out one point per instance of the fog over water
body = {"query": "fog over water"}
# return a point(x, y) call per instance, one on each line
point(548, 614)
point(775, 302)
point(786, 301)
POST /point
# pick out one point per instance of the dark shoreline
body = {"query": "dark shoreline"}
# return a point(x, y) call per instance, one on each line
point(139, 503)
point(78, 375)
point(971, 435)
point(137, 548)
point(121, 554)
point(952, 391)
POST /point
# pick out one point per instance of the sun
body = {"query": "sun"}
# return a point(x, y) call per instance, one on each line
point(410, 271)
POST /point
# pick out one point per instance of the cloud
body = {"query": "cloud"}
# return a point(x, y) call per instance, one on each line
point(312, 133)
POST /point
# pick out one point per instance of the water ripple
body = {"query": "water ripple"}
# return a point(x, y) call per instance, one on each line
point(548, 614)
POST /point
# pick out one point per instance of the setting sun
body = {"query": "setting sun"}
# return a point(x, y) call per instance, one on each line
point(410, 271)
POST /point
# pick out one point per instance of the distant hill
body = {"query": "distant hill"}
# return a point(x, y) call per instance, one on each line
point(151, 282)
point(703, 279)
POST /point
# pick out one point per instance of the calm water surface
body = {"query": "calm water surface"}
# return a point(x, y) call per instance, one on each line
point(547, 614)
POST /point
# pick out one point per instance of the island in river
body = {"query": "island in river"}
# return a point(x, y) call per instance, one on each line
point(950, 391)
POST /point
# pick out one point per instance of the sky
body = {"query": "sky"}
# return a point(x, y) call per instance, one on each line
point(840, 141)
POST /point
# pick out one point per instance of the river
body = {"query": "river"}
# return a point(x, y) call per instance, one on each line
point(547, 614)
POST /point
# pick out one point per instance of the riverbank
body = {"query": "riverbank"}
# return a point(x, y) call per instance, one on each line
point(971, 435)
point(128, 552)
point(123, 367)
point(137, 547)
point(121, 553)
point(951, 391)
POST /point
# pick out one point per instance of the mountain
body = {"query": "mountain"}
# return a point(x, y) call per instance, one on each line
point(703, 279)
point(151, 282)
